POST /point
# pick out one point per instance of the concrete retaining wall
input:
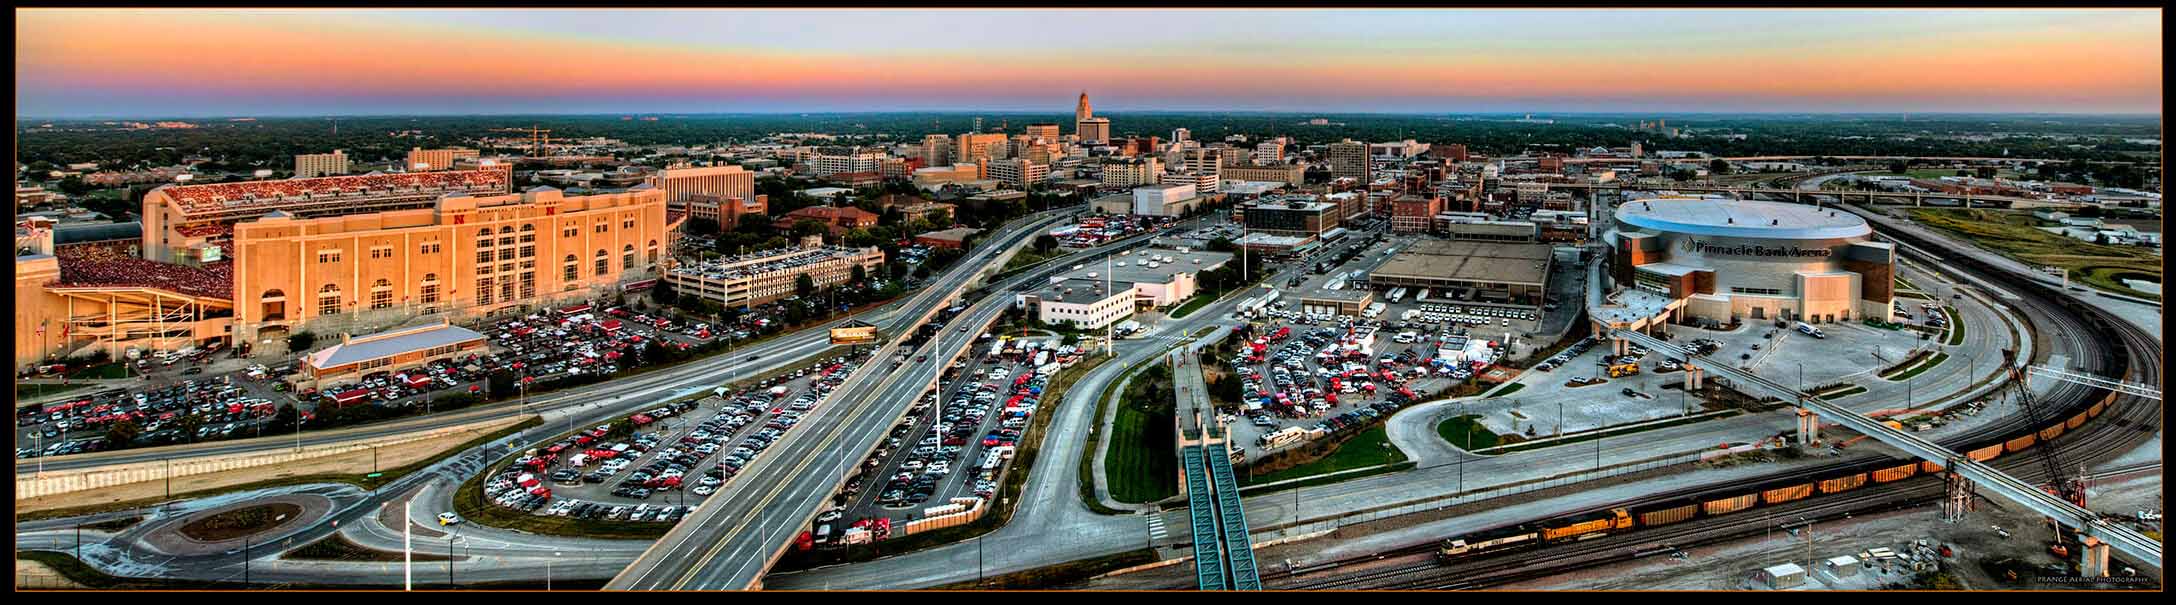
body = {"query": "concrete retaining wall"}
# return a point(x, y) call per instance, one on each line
point(85, 479)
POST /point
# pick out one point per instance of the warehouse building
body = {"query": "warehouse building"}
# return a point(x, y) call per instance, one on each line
point(1505, 273)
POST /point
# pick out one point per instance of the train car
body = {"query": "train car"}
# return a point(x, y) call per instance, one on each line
point(1930, 466)
point(1986, 453)
point(1724, 506)
point(1786, 494)
point(1667, 515)
point(1483, 542)
point(2053, 431)
point(2076, 421)
point(1843, 484)
point(2018, 445)
point(1896, 472)
point(1581, 527)
point(2095, 410)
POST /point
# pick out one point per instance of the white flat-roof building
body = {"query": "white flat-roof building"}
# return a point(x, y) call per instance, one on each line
point(1163, 200)
point(1087, 303)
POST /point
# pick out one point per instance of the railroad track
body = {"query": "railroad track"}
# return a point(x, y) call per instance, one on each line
point(2104, 345)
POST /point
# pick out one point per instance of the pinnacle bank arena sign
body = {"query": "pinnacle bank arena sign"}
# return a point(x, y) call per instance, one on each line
point(1705, 248)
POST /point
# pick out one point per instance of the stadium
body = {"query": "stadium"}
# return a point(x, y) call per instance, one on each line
point(250, 262)
point(1721, 260)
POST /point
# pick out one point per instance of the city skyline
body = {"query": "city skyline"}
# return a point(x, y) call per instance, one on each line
point(168, 63)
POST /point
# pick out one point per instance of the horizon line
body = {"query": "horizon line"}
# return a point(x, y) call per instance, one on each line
point(1536, 114)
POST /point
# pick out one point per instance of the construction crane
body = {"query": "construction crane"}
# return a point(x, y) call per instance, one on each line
point(2060, 483)
point(539, 138)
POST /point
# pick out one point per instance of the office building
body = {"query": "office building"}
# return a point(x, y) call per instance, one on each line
point(311, 165)
point(1019, 173)
point(682, 184)
point(758, 278)
point(1349, 159)
point(936, 150)
point(425, 160)
point(1131, 172)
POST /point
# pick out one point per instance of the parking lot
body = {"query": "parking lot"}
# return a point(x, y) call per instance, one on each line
point(987, 401)
point(1300, 382)
point(669, 458)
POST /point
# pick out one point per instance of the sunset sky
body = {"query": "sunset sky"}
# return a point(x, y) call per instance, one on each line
point(157, 63)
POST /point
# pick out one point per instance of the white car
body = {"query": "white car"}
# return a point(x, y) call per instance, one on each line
point(448, 518)
point(704, 490)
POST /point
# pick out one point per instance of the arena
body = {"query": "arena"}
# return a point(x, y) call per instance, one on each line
point(1715, 259)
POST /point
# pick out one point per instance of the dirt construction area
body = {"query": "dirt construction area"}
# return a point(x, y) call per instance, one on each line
point(352, 463)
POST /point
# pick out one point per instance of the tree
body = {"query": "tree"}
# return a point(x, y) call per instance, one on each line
point(1985, 172)
point(121, 433)
point(860, 275)
point(300, 341)
point(702, 226)
point(808, 226)
point(1718, 166)
point(1222, 244)
point(664, 294)
point(1899, 167)
point(804, 286)
point(755, 224)
point(1045, 243)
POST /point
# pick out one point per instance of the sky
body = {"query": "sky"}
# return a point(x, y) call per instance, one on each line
point(203, 63)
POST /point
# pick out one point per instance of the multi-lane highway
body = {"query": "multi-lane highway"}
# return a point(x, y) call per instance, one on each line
point(732, 539)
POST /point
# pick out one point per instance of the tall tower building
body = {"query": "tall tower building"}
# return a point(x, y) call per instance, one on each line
point(1080, 112)
point(936, 150)
point(1349, 158)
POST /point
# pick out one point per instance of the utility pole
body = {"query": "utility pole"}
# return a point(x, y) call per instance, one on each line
point(407, 548)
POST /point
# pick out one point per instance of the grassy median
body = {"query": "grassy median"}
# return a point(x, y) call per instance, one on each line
point(1141, 465)
point(1467, 433)
point(1371, 447)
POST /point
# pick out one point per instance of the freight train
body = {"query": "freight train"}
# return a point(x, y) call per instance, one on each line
point(1597, 524)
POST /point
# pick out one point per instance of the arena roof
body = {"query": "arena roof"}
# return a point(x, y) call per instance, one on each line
point(1736, 218)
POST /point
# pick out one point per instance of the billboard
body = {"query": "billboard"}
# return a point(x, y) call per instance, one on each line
point(853, 333)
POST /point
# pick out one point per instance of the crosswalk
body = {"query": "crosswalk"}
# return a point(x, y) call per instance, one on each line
point(1156, 531)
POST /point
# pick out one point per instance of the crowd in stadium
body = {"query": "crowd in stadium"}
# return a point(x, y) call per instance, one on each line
point(225, 196)
point(95, 266)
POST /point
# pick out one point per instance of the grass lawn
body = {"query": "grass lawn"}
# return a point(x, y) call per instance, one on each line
point(1028, 256)
point(2014, 234)
point(1364, 450)
point(1140, 464)
point(28, 391)
point(1923, 366)
point(1590, 436)
point(1192, 305)
point(1513, 388)
point(111, 369)
point(1844, 392)
point(1466, 432)
point(337, 547)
